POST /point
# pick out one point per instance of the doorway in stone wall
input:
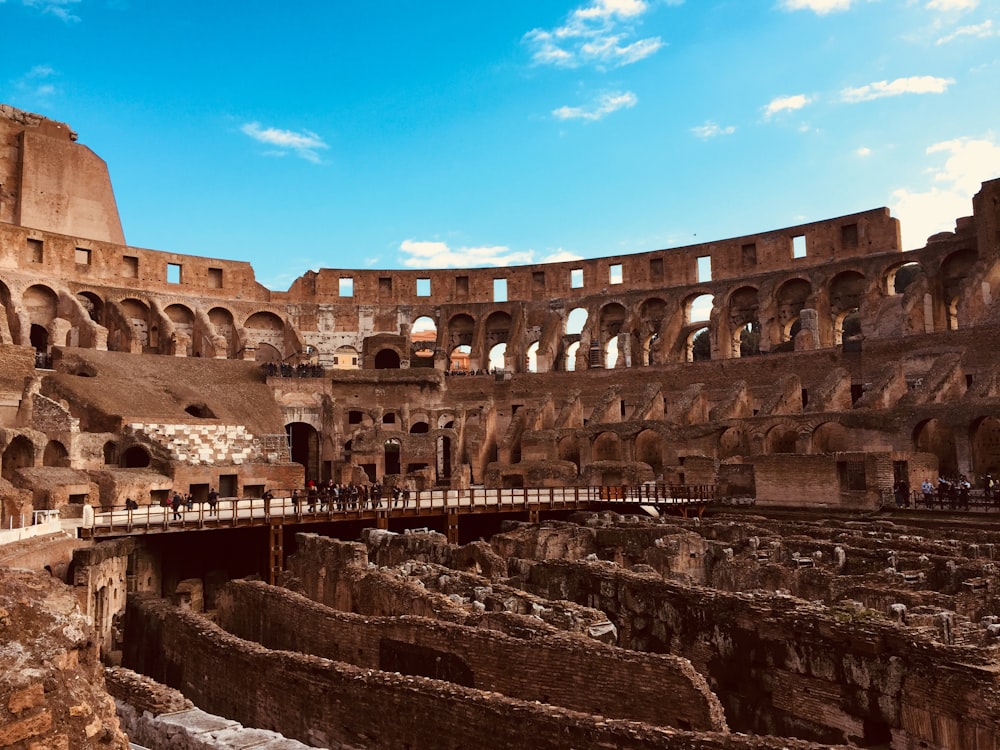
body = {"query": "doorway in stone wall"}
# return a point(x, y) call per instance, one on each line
point(228, 485)
point(391, 450)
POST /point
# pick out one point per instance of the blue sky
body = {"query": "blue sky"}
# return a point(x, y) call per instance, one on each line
point(392, 134)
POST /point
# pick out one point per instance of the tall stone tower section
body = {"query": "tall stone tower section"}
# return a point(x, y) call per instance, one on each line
point(50, 182)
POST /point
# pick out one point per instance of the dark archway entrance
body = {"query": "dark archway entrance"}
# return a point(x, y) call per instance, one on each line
point(304, 443)
point(387, 359)
point(392, 463)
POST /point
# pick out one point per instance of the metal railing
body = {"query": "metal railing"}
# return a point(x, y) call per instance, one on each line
point(232, 512)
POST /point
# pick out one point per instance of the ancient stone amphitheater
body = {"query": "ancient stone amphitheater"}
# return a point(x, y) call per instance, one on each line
point(670, 499)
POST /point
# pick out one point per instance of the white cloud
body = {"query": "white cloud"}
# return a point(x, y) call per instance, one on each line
point(969, 162)
point(305, 144)
point(911, 85)
point(599, 34)
point(602, 107)
point(820, 7)
point(863, 151)
point(711, 130)
point(58, 8)
point(786, 104)
point(37, 84)
point(950, 5)
point(982, 30)
point(433, 254)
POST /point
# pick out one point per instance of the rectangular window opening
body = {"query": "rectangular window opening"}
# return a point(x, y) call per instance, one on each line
point(346, 287)
point(704, 268)
point(462, 286)
point(130, 266)
point(849, 235)
point(656, 269)
point(852, 476)
point(499, 290)
point(749, 254)
point(35, 250)
point(799, 246)
point(385, 286)
point(615, 273)
point(423, 287)
point(173, 273)
point(82, 256)
point(215, 278)
point(576, 278)
point(538, 280)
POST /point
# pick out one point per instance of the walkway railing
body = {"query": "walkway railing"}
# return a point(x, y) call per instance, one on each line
point(233, 512)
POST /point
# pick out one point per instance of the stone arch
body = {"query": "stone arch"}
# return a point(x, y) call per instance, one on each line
point(898, 277)
point(955, 269)
point(497, 328)
point(607, 447)
point(698, 347)
point(460, 358)
point(93, 304)
point(387, 359)
point(267, 353)
point(223, 322)
point(55, 454)
point(698, 308)
point(611, 323)
point(497, 356)
point(576, 321)
point(182, 318)
point(420, 427)
point(830, 437)
point(744, 321)
point(984, 442)
point(423, 340)
point(446, 421)
point(19, 454)
point(461, 329)
point(266, 327)
point(649, 450)
point(846, 290)
point(570, 360)
point(612, 353)
point(934, 436)
point(346, 358)
point(41, 304)
point(734, 441)
point(391, 456)
point(652, 313)
point(110, 452)
point(781, 439)
point(303, 441)
point(136, 314)
point(531, 358)
point(790, 298)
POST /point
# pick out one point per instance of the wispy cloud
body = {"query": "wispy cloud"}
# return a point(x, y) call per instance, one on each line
point(820, 7)
point(911, 85)
point(433, 254)
point(711, 130)
point(603, 106)
point(62, 9)
point(36, 86)
point(304, 144)
point(952, 5)
point(786, 104)
point(982, 30)
point(601, 34)
point(862, 151)
point(968, 162)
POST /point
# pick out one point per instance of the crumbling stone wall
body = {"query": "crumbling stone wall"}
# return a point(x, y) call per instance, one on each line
point(558, 669)
point(330, 703)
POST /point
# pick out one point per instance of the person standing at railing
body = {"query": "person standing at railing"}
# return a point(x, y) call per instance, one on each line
point(213, 501)
point(175, 506)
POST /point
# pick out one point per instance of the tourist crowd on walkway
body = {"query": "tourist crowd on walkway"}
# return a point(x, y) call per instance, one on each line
point(286, 370)
point(336, 496)
point(949, 492)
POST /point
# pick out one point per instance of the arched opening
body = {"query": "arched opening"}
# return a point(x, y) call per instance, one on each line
point(446, 421)
point(222, 321)
point(571, 350)
point(791, 297)
point(266, 328)
point(458, 360)
point(611, 353)
point(744, 323)
point(649, 450)
point(900, 277)
point(346, 358)
point(39, 341)
point(985, 444)
point(183, 321)
point(93, 304)
point(111, 453)
point(387, 359)
point(607, 447)
point(19, 454)
point(830, 437)
point(304, 442)
point(699, 346)
point(200, 411)
point(389, 417)
point(847, 331)
point(55, 454)
point(933, 436)
point(390, 451)
point(497, 357)
point(531, 358)
point(575, 321)
point(135, 457)
point(955, 269)
point(267, 353)
point(612, 322)
point(419, 428)
point(423, 337)
point(569, 450)
point(781, 439)
point(649, 349)
point(699, 309)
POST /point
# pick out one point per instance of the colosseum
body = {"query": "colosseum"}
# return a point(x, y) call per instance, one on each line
point(732, 495)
